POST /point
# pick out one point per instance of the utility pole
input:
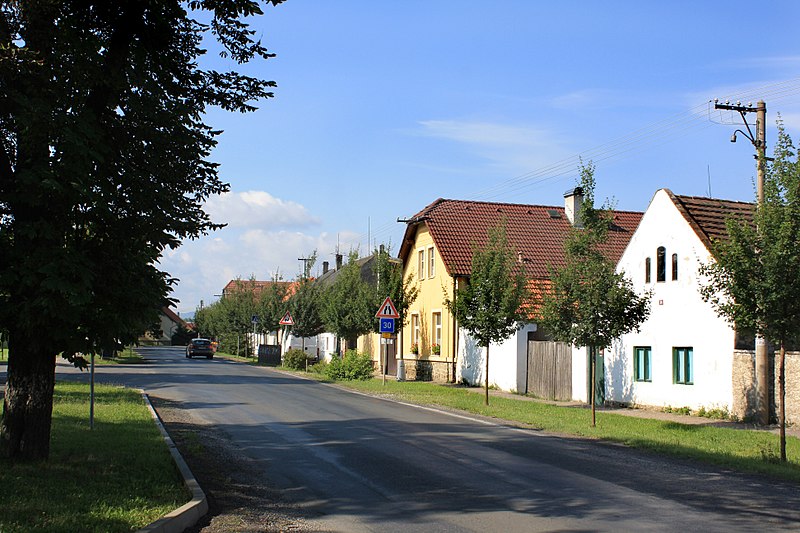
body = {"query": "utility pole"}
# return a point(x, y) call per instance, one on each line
point(759, 141)
point(306, 267)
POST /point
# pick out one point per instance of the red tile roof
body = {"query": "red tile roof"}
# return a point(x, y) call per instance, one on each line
point(173, 316)
point(257, 286)
point(535, 231)
point(707, 216)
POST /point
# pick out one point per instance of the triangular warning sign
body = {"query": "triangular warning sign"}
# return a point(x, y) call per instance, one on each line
point(287, 320)
point(387, 310)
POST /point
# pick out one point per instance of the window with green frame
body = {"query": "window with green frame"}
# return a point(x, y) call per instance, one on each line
point(682, 370)
point(642, 363)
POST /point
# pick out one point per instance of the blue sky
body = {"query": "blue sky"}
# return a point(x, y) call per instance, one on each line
point(382, 107)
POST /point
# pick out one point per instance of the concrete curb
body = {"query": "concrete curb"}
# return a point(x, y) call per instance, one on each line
point(190, 513)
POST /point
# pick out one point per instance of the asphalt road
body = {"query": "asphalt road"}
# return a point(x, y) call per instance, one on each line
point(360, 463)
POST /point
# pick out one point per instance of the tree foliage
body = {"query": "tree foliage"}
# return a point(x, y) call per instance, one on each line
point(306, 303)
point(588, 302)
point(754, 280)
point(104, 164)
point(490, 305)
point(272, 305)
point(389, 282)
point(349, 303)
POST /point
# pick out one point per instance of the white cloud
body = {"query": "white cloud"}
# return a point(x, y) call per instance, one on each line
point(205, 265)
point(511, 148)
point(257, 209)
point(583, 98)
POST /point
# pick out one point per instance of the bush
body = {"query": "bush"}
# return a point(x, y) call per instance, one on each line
point(352, 366)
point(295, 359)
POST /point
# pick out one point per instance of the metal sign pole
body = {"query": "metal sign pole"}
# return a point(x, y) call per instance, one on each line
point(91, 395)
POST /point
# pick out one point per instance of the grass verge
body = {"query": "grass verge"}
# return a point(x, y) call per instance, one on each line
point(117, 477)
point(743, 450)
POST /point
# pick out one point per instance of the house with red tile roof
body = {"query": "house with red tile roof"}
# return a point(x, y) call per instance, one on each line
point(684, 355)
point(436, 252)
point(169, 323)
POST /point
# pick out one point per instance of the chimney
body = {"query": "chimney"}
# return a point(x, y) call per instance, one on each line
point(573, 199)
point(339, 261)
point(325, 266)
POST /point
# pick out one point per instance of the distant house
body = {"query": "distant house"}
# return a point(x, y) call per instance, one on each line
point(169, 323)
point(369, 343)
point(437, 254)
point(684, 354)
point(257, 287)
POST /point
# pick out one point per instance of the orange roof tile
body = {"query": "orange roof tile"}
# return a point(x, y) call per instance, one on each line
point(536, 231)
point(707, 216)
point(258, 286)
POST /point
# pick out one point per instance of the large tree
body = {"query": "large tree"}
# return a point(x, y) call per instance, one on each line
point(349, 303)
point(104, 164)
point(588, 302)
point(754, 279)
point(490, 306)
point(306, 304)
point(272, 305)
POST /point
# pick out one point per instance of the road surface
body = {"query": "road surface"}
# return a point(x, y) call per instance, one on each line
point(359, 463)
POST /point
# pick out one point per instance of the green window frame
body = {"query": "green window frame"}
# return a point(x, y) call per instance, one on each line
point(642, 363)
point(683, 365)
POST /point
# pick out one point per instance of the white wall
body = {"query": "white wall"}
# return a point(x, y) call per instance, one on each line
point(508, 361)
point(679, 318)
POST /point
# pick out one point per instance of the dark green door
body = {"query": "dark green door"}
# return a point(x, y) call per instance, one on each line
point(599, 376)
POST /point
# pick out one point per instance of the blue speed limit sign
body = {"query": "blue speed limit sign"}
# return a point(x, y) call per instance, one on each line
point(387, 325)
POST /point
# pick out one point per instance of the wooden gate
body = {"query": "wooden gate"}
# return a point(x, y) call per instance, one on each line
point(550, 370)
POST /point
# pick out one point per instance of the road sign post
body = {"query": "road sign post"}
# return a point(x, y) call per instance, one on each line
point(387, 312)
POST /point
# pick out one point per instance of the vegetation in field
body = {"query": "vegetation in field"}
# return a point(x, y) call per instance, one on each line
point(295, 359)
point(117, 477)
point(353, 366)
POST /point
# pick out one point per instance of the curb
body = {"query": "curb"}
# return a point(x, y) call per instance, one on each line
point(190, 513)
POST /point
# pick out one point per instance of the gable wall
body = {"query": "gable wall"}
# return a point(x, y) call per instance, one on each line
point(679, 318)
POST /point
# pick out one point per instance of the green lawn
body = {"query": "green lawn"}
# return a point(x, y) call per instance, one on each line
point(117, 477)
point(749, 451)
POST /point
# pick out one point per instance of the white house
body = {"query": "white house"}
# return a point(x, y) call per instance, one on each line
point(684, 353)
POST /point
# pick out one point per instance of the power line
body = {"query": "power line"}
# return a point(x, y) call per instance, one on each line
point(652, 135)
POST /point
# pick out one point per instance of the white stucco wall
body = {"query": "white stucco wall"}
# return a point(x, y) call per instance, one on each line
point(679, 318)
point(508, 361)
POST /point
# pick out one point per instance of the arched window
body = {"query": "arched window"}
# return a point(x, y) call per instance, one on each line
point(674, 267)
point(661, 264)
point(647, 270)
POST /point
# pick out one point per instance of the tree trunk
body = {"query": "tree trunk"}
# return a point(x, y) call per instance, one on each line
point(486, 388)
point(782, 399)
point(28, 402)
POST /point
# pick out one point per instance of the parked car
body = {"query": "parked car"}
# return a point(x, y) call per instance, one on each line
point(201, 347)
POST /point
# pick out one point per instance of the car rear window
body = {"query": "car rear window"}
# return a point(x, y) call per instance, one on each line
point(201, 342)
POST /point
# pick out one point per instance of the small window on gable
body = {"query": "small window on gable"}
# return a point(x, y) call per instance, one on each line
point(661, 264)
point(674, 267)
point(421, 265)
point(431, 262)
point(647, 270)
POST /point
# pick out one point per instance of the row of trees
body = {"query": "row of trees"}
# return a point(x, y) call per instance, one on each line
point(345, 307)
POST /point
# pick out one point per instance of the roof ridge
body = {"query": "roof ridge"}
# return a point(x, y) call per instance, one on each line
point(691, 197)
